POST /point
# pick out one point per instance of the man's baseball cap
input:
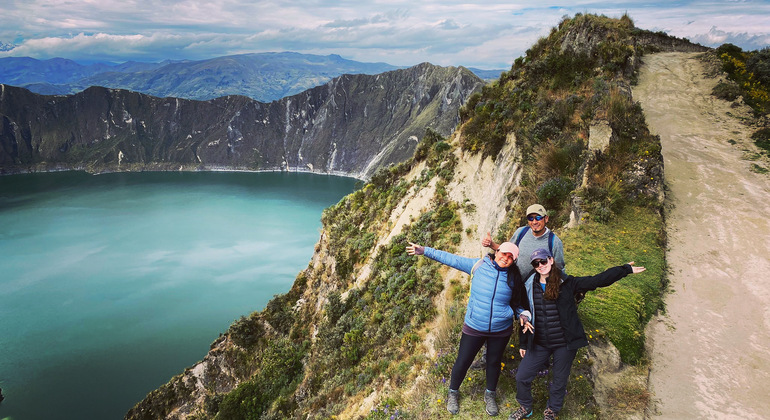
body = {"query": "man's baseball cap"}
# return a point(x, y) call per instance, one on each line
point(536, 209)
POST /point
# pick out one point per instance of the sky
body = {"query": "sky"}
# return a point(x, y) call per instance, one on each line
point(486, 34)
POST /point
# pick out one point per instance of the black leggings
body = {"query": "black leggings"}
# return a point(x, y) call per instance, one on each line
point(469, 347)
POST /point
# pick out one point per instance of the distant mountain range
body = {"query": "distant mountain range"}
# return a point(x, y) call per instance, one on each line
point(265, 77)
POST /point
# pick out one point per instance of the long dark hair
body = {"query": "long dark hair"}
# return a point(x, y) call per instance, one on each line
point(553, 283)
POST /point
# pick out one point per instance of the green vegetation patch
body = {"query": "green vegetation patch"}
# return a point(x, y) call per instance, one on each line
point(750, 71)
point(549, 99)
point(761, 138)
point(759, 169)
point(375, 328)
point(621, 311)
point(280, 367)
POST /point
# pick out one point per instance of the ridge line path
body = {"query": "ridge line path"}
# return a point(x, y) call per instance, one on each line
point(710, 350)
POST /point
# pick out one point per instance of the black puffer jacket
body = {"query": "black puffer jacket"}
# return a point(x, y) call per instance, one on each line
point(570, 322)
point(548, 330)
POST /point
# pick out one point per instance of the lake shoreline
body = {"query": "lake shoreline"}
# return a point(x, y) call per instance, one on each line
point(48, 168)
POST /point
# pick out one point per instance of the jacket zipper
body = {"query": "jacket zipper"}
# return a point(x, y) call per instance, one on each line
point(492, 303)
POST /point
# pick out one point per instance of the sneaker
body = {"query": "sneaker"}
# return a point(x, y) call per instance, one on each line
point(489, 400)
point(452, 402)
point(521, 413)
point(548, 414)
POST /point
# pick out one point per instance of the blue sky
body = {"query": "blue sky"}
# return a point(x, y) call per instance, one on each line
point(487, 34)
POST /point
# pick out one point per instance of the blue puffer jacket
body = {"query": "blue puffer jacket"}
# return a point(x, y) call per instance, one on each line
point(489, 305)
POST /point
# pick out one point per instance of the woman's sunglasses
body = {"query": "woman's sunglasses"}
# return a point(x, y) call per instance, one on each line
point(538, 263)
point(538, 218)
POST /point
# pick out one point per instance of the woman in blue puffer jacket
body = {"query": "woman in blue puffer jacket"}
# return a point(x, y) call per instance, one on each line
point(496, 289)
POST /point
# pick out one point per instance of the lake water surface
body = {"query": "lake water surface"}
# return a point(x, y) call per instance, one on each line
point(112, 284)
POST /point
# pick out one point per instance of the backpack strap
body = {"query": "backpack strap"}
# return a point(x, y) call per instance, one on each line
point(521, 234)
point(551, 237)
point(550, 241)
point(475, 266)
point(473, 270)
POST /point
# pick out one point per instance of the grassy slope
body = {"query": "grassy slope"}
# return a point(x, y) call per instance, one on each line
point(550, 106)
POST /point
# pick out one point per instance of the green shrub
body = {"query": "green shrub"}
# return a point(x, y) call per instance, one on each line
point(554, 193)
point(761, 138)
point(726, 90)
point(246, 332)
point(729, 49)
point(280, 366)
point(430, 138)
point(758, 64)
point(751, 72)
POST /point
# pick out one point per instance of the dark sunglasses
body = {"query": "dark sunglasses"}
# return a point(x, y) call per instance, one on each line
point(538, 218)
point(538, 263)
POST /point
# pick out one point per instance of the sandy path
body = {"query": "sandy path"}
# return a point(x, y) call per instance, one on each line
point(711, 350)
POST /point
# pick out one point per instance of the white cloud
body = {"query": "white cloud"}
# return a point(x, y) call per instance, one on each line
point(486, 34)
point(715, 37)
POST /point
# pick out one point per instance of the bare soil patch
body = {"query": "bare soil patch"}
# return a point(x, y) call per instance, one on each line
point(710, 351)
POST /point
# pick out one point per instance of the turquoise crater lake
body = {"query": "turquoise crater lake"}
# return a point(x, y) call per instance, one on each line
point(112, 284)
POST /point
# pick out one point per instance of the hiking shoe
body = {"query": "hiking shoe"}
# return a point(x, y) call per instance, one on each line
point(521, 413)
point(489, 400)
point(548, 414)
point(452, 402)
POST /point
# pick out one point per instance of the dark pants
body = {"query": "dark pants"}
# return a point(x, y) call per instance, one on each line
point(533, 361)
point(469, 346)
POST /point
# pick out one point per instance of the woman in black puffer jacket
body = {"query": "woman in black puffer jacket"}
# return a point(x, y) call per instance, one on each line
point(558, 331)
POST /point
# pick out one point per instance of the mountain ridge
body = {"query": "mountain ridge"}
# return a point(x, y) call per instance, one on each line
point(366, 330)
point(353, 125)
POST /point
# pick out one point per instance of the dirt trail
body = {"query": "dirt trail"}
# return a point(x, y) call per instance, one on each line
point(711, 350)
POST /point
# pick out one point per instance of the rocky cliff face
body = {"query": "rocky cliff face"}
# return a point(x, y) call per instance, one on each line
point(353, 125)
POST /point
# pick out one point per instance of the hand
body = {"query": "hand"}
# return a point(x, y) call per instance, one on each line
point(522, 352)
point(487, 241)
point(414, 249)
point(635, 270)
point(526, 325)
